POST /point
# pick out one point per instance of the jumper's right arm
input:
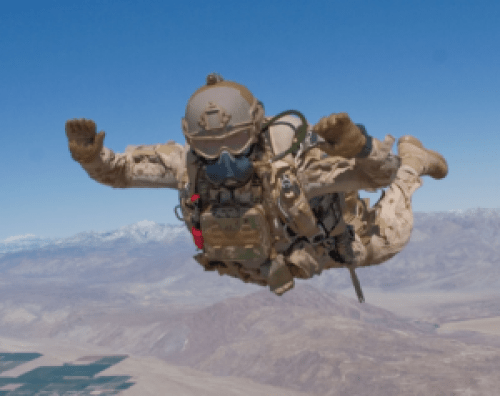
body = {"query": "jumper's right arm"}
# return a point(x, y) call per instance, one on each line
point(142, 166)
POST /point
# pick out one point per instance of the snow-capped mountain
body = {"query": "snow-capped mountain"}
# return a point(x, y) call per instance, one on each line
point(476, 213)
point(447, 251)
point(147, 231)
point(23, 242)
point(140, 232)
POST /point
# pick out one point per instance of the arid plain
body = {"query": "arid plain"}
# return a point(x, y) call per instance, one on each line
point(131, 313)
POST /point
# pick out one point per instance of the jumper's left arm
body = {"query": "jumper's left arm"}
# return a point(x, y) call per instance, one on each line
point(346, 159)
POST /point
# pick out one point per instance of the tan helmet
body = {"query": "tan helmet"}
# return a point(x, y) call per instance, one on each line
point(222, 115)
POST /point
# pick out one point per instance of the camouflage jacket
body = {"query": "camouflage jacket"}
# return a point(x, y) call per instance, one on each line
point(266, 225)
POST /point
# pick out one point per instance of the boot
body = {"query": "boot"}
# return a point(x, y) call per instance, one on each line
point(425, 162)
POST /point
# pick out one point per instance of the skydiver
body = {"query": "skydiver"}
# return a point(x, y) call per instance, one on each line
point(270, 199)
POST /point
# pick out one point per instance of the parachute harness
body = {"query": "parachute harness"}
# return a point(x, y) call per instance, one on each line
point(293, 149)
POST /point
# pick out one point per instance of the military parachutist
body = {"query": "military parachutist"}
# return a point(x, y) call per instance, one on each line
point(270, 199)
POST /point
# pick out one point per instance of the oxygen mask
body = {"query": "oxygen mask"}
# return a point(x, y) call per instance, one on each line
point(230, 171)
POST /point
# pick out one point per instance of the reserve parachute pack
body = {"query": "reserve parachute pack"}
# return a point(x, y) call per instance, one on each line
point(254, 232)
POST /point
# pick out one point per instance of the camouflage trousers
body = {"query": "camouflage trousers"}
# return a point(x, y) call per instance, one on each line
point(381, 231)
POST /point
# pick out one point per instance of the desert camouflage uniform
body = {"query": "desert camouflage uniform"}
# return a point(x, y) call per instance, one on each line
point(380, 231)
point(274, 198)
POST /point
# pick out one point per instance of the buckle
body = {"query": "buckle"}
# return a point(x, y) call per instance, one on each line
point(319, 237)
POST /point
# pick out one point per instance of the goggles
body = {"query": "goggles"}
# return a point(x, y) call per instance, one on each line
point(235, 141)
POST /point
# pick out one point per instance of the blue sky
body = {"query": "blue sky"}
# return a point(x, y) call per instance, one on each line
point(424, 68)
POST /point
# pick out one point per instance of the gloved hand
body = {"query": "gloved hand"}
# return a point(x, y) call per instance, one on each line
point(83, 142)
point(344, 137)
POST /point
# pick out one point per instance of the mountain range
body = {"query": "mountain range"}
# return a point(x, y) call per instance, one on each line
point(447, 251)
point(141, 232)
point(138, 291)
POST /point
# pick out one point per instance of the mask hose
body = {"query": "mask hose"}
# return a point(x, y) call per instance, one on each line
point(300, 134)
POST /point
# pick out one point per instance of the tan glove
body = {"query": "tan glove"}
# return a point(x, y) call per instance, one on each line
point(341, 133)
point(83, 142)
